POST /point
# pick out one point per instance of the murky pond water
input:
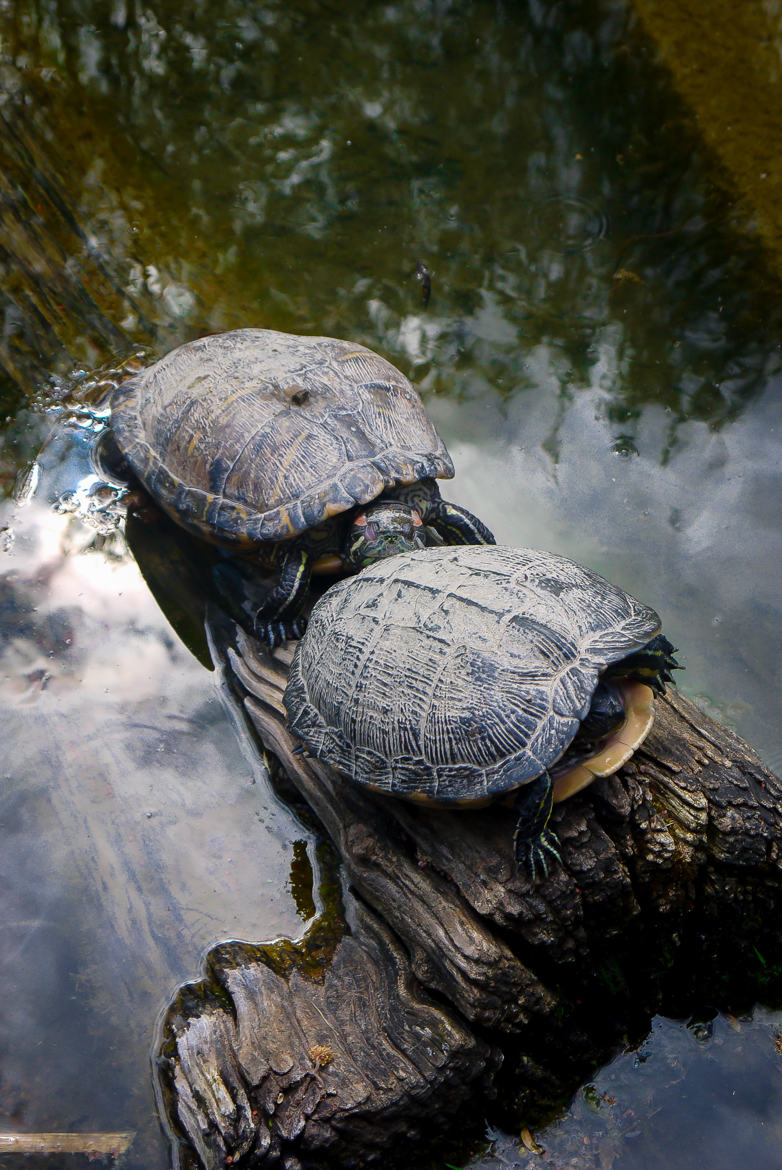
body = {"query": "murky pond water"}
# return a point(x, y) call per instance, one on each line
point(675, 1100)
point(600, 352)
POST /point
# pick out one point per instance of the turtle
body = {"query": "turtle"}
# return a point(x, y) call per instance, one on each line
point(460, 676)
point(273, 443)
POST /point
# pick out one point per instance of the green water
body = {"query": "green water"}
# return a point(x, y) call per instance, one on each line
point(600, 353)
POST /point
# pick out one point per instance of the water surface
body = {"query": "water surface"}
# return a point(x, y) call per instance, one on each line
point(600, 352)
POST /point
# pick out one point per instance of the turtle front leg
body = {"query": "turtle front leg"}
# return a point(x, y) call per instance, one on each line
point(533, 842)
point(280, 618)
point(458, 526)
point(455, 524)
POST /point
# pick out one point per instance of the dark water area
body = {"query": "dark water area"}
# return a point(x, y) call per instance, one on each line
point(600, 351)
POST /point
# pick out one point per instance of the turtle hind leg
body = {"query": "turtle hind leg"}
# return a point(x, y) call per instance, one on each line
point(534, 843)
point(652, 664)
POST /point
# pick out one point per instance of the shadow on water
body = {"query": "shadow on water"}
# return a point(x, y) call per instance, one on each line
point(653, 1067)
point(600, 351)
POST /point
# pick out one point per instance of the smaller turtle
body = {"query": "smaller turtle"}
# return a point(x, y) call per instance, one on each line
point(278, 446)
point(459, 676)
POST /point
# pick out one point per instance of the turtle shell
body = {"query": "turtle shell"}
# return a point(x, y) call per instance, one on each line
point(457, 674)
point(254, 435)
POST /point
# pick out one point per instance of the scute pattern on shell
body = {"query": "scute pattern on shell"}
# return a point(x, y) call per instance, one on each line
point(254, 435)
point(456, 674)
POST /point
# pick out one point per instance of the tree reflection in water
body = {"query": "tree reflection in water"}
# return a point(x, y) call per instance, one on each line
point(600, 351)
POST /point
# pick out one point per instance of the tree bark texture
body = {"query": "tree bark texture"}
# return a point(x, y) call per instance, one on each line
point(451, 953)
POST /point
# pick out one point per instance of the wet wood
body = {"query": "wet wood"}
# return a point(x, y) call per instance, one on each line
point(94, 1145)
point(692, 825)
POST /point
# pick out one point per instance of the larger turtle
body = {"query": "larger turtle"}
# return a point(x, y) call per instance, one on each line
point(265, 441)
point(461, 676)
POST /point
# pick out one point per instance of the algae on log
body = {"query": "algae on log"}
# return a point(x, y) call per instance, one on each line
point(687, 833)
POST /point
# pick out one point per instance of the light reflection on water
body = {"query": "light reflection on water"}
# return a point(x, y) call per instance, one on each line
point(137, 832)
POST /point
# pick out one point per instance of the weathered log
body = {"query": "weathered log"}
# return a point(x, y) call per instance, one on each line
point(690, 829)
point(325, 1046)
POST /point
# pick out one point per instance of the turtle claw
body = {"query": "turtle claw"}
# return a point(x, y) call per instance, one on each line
point(276, 633)
point(667, 665)
point(653, 664)
point(534, 856)
point(273, 634)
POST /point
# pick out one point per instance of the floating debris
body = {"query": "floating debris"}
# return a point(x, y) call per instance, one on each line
point(91, 1144)
point(529, 1142)
point(425, 276)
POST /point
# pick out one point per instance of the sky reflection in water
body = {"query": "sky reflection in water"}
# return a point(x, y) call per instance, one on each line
point(139, 828)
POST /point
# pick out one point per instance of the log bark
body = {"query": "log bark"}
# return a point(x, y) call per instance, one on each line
point(684, 841)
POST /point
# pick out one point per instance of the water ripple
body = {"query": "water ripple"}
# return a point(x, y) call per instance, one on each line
point(568, 223)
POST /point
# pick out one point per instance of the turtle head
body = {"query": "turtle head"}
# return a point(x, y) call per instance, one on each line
point(381, 530)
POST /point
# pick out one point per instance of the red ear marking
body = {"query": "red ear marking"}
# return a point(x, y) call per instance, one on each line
point(417, 521)
point(361, 519)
